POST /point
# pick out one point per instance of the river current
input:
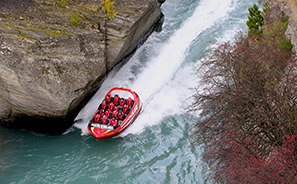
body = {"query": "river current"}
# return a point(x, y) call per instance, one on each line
point(157, 147)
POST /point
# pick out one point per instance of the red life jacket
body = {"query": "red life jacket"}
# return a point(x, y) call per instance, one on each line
point(97, 117)
point(122, 102)
point(108, 98)
point(107, 113)
point(116, 108)
point(103, 106)
point(129, 101)
point(113, 122)
point(121, 116)
point(104, 119)
point(101, 112)
point(110, 107)
point(115, 114)
point(125, 108)
point(116, 99)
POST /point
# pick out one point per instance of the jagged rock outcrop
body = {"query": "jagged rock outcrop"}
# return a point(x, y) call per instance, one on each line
point(290, 9)
point(50, 68)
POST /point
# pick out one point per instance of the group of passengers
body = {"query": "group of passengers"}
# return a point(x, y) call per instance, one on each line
point(113, 110)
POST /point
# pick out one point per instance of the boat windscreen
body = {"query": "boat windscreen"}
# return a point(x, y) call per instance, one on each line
point(102, 126)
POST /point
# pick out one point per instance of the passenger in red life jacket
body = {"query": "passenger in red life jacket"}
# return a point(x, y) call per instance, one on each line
point(121, 116)
point(97, 118)
point(115, 114)
point(122, 102)
point(103, 105)
point(104, 119)
point(129, 102)
point(116, 99)
point(125, 108)
point(107, 113)
point(108, 98)
point(102, 112)
point(113, 122)
point(110, 107)
point(116, 108)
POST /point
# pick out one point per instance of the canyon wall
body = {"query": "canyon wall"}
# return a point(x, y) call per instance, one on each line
point(55, 54)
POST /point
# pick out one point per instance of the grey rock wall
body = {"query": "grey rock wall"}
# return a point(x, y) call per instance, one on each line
point(290, 9)
point(49, 69)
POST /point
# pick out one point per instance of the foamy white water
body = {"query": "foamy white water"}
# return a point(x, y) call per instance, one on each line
point(162, 84)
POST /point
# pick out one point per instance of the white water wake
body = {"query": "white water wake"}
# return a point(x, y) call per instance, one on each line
point(163, 84)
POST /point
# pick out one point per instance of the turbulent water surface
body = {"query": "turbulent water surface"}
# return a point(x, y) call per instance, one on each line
point(157, 147)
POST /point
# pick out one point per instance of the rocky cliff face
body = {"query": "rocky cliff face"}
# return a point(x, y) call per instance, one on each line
point(290, 8)
point(49, 68)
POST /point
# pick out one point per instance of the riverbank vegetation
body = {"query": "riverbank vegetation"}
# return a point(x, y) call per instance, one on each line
point(247, 104)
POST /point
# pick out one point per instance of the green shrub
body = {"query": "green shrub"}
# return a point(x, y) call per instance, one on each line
point(63, 3)
point(75, 20)
point(255, 21)
point(108, 7)
point(277, 31)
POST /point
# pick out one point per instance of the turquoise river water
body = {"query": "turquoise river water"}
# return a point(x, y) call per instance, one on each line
point(157, 147)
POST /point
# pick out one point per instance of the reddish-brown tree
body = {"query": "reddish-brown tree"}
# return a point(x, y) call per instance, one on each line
point(248, 113)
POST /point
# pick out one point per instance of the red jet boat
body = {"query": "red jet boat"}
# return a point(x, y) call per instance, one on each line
point(115, 114)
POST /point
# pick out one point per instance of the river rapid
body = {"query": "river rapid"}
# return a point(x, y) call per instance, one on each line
point(157, 147)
